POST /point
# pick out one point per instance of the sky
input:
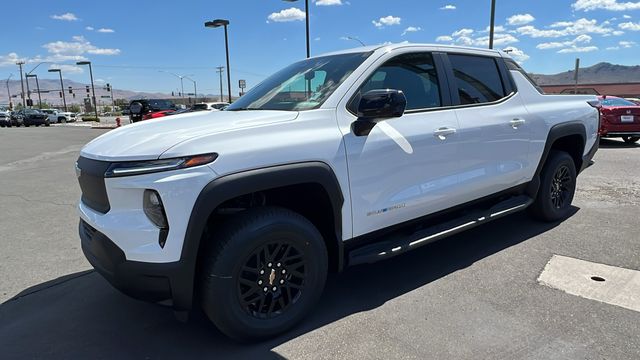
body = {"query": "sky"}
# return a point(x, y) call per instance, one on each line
point(135, 45)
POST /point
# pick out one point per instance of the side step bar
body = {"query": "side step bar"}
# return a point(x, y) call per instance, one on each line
point(398, 244)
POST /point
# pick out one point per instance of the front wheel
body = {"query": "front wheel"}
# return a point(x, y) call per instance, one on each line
point(47, 123)
point(631, 139)
point(263, 271)
point(557, 188)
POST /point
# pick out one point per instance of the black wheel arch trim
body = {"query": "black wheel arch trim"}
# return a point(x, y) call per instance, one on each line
point(556, 132)
point(230, 186)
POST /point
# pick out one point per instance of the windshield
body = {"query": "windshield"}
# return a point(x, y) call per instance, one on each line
point(617, 102)
point(304, 85)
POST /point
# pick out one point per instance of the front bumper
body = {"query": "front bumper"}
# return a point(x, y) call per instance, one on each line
point(154, 282)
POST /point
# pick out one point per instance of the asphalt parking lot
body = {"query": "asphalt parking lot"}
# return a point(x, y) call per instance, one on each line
point(474, 295)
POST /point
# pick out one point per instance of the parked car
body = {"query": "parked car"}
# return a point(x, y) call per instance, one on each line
point(394, 147)
point(620, 118)
point(5, 116)
point(210, 106)
point(142, 107)
point(158, 114)
point(14, 119)
point(30, 117)
point(58, 116)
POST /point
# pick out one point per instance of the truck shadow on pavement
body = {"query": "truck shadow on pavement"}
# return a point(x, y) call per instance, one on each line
point(82, 316)
point(617, 144)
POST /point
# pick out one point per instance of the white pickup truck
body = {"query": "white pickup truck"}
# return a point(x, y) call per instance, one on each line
point(337, 160)
point(57, 116)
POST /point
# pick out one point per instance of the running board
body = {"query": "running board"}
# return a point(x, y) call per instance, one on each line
point(398, 244)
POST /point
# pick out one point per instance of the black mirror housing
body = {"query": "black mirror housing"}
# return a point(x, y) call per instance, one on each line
point(378, 105)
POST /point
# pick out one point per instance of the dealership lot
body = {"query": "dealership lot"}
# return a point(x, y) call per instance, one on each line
point(474, 295)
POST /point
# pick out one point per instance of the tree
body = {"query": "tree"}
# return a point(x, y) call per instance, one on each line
point(75, 108)
point(106, 108)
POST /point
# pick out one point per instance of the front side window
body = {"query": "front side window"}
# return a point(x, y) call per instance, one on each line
point(477, 78)
point(414, 74)
point(304, 85)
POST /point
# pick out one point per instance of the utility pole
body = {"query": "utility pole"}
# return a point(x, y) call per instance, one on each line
point(24, 103)
point(575, 76)
point(220, 70)
point(493, 22)
point(9, 92)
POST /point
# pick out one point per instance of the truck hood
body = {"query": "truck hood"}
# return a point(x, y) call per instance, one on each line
point(147, 140)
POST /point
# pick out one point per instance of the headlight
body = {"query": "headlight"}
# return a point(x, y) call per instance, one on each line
point(129, 168)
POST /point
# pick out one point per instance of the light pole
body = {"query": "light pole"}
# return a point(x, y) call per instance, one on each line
point(93, 89)
point(217, 23)
point(355, 39)
point(179, 77)
point(37, 88)
point(9, 92)
point(24, 103)
point(195, 89)
point(493, 22)
point(64, 100)
point(306, 17)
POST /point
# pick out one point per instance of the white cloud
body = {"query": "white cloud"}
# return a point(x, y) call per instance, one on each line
point(328, 2)
point(577, 49)
point(411, 29)
point(630, 26)
point(626, 16)
point(291, 14)
point(74, 50)
point(68, 69)
point(496, 29)
point(65, 17)
point(627, 44)
point(89, 28)
point(444, 38)
point(498, 40)
point(517, 54)
point(612, 5)
point(462, 32)
point(10, 59)
point(448, 7)
point(106, 30)
point(387, 21)
point(520, 19)
point(566, 28)
point(581, 39)
point(613, 48)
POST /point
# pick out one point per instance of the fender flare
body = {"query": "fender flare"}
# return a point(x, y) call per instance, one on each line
point(230, 186)
point(556, 132)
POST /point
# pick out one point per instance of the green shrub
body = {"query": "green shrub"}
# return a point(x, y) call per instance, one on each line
point(90, 118)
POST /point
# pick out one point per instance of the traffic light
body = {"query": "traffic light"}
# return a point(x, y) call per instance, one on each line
point(61, 94)
point(70, 90)
point(108, 87)
point(29, 102)
point(172, 94)
point(87, 87)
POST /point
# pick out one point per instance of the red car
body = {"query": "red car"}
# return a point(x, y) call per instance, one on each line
point(157, 114)
point(619, 118)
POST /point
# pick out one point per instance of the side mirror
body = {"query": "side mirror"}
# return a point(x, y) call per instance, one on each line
point(378, 105)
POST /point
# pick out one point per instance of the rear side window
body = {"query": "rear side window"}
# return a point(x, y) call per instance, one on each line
point(477, 79)
point(512, 65)
point(414, 74)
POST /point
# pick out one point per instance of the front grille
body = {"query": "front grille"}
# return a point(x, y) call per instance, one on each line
point(91, 179)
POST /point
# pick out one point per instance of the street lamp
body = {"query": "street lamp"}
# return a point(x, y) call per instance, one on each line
point(195, 89)
point(37, 87)
point(64, 100)
point(493, 22)
point(306, 17)
point(20, 63)
point(179, 77)
point(217, 23)
point(93, 89)
point(355, 39)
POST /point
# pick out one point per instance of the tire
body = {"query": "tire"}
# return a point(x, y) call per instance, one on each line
point(631, 139)
point(62, 120)
point(47, 123)
point(557, 188)
point(240, 250)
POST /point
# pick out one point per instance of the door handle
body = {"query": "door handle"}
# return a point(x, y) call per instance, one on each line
point(443, 132)
point(515, 123)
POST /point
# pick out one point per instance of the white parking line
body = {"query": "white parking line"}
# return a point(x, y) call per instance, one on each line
point(604, 283)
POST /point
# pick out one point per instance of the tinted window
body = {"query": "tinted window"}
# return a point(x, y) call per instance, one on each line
point(512, 65)
point(414, 74)
point(616, 102)
point(478, 79)
point(304, 85)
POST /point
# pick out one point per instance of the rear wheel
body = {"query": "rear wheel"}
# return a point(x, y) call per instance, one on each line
point(62, 120)
point(262, 273)
point(557, 188)
point(47, 123)
point(631, 139)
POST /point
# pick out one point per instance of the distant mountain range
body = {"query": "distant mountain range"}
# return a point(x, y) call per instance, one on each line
point(599, 73)
point(79, 89)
